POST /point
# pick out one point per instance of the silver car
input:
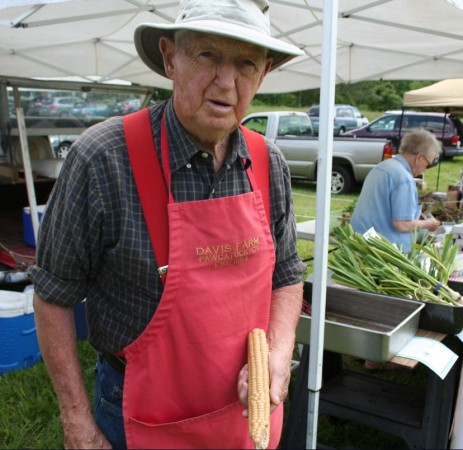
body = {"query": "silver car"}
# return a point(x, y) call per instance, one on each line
point(346, 117)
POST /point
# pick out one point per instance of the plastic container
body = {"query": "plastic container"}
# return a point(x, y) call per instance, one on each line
point(363, 325)
point(444, 318)
point(28, 230)
point(19, 348)
point(47, 167)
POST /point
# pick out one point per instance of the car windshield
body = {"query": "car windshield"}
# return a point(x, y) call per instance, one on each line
point(385, 123)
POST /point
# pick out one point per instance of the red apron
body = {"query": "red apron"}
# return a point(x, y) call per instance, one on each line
point(180, 388)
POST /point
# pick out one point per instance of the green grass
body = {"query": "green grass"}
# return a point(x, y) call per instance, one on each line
point(29, 416)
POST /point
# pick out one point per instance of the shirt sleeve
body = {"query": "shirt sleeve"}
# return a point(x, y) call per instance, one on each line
point(404, 201)
point(70, 234)
point(289, 268)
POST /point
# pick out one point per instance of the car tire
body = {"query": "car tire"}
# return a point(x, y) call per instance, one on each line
point(63, 149)
point(341, 180)
point(341, 131)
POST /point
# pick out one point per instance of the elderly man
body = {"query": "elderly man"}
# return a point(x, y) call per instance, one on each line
point(177, 227)
point(388, 201)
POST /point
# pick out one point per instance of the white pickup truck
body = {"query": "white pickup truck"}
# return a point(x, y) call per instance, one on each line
point(292, 132)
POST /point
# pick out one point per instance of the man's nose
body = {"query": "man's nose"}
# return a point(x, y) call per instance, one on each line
point(226, 74)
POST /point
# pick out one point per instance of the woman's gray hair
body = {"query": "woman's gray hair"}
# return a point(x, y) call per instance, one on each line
point(420, 140)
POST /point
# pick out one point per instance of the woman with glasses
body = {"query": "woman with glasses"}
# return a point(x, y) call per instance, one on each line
point(388, 201)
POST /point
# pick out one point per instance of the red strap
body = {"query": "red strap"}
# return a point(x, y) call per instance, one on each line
point(259, 156)
point(149, 180)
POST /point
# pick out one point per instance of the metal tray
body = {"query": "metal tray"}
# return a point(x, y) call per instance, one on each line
point(364, 325)
point(442, 318)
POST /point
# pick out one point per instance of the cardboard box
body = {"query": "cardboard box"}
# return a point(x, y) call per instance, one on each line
point(453, 196)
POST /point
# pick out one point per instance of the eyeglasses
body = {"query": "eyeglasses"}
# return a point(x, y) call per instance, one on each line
point(432, 163)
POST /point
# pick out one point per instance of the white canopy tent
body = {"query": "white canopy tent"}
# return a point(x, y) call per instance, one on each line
point(92, 40)
point(383, 39)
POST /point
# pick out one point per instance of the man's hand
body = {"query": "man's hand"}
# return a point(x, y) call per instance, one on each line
point(81, 431)
point(280, 375)
point(285, 310)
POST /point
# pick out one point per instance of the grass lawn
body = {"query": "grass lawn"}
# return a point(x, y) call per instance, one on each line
point(29, 414)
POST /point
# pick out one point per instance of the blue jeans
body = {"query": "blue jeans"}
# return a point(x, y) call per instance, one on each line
point(108, 403)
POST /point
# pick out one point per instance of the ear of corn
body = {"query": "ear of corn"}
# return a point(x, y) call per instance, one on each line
point(258, 389)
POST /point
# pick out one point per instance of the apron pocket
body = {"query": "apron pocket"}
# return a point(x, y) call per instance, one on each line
point(224, 428)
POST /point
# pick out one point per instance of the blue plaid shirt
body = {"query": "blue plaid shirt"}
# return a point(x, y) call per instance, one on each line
point(93, 242)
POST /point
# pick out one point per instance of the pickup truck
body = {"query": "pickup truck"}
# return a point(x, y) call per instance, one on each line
point(292, 132)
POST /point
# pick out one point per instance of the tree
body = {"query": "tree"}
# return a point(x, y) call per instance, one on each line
point(368, 95)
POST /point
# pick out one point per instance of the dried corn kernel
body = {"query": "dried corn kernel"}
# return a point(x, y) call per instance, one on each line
point(258, 389)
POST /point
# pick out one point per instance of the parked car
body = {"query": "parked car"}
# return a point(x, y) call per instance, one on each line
point(292, 132)
point(346, 117)
point(33, 107)
point(58, 106)
point(394, 124)
point(127, 106)
point(91, 109)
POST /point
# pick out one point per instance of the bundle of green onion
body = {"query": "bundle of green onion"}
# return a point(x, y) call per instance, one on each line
point(374, 264)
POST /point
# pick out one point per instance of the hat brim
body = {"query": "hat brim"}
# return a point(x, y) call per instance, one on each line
point(147, 41)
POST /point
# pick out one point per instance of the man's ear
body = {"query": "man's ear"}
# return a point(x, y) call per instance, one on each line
point(268, 66)
point(167, 49)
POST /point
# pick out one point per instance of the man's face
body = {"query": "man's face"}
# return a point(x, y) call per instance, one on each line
point(215, 78)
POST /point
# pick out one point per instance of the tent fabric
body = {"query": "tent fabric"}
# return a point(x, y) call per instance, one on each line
point(93, 40)
point(445, 94)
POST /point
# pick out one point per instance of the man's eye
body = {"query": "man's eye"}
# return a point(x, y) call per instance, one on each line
point(206, 54)
point(249, 62)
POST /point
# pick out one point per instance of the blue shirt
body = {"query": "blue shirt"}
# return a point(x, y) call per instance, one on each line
point(389, 193)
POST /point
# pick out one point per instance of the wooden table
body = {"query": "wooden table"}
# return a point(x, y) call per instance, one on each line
point(421, 418)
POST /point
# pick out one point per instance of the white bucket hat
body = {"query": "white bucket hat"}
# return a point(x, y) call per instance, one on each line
point(244, 20)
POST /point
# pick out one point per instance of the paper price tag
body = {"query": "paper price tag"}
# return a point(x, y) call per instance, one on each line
point(430, 352)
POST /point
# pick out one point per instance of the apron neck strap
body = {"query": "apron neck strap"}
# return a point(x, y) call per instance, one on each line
point(149, 179)
point(260, 165)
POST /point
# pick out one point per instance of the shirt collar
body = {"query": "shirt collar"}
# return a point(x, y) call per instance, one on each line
point(186, 148)
point(404, 162)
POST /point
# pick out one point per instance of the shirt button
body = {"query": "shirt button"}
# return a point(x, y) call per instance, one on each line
point(188, 166)
point(228, 167)
point(204, 155)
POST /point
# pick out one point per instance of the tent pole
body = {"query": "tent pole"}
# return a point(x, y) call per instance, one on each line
point(26, 163)
point(446, 111)
point(323, 198)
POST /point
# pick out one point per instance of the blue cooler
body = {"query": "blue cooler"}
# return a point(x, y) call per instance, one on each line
point(81, 320)
point(19, 348)
point(28, 230)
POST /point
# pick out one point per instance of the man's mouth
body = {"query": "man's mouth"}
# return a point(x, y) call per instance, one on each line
point(219, 103)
